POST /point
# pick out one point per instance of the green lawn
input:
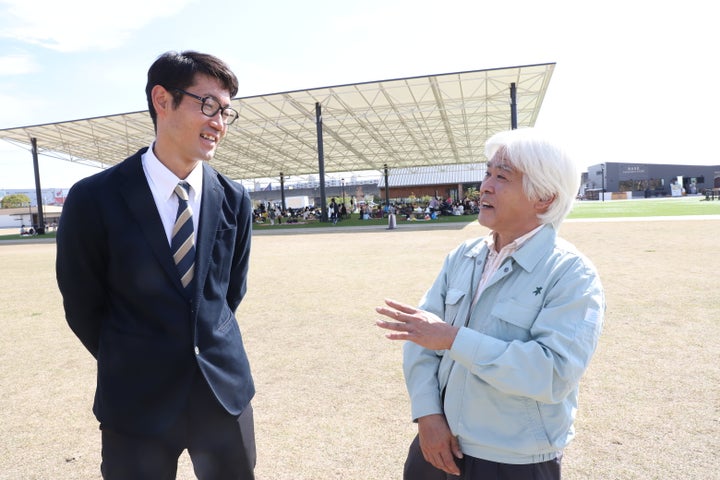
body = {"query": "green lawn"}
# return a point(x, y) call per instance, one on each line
point(354, 221)
point(15, 236)
point(651, 207)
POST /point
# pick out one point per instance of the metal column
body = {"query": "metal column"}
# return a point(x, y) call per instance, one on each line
point(321, 162)
point(513, 106)
point(282, 191)
point(387, 187)
point(40, 229)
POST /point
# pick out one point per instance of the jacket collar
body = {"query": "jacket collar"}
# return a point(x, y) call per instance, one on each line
point(536, 248)
point(531, 252)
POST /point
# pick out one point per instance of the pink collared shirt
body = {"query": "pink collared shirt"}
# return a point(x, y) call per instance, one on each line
point(495, 259)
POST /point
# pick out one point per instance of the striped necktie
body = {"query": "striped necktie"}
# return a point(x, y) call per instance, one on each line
point(183, 240)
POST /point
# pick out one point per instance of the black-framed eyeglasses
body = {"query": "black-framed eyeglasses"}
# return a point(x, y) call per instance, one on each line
point(211, 106)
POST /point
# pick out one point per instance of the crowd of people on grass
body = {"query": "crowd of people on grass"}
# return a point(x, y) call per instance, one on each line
point(272, 213)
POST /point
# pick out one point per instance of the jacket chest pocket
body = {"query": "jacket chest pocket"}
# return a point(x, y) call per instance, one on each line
point(453, 302)
point(512, 320)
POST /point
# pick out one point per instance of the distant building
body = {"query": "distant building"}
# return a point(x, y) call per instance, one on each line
point(442, 181)
point(642, 180)
point(52, 200)
point(28, 217)
point(50, 196)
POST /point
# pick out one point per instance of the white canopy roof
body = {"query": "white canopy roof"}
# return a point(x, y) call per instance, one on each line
point(430, 120)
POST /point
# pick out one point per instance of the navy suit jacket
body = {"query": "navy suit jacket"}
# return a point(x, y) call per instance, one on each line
point(123, 297)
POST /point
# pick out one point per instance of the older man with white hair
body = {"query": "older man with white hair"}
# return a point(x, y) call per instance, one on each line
point(499, 342)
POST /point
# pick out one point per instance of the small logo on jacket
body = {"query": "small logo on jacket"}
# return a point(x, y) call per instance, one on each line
point(537, 291)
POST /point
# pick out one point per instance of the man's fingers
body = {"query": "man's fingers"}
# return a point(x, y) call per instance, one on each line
point(444, 461)
point(391, 313)
point(402, 307)
point(437, 443)
point(455, 447)
point(397, 315)
point(398, 327)
point(447, 463)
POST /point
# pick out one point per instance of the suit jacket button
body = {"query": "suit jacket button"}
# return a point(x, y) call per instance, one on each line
point(197, 351)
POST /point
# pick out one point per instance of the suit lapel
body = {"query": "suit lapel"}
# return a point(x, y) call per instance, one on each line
point(207, 228)
point(138, 197)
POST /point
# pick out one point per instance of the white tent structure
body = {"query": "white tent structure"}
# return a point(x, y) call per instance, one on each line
point(419, 121)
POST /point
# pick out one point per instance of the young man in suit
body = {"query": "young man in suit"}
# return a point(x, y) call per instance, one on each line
point(152, 261)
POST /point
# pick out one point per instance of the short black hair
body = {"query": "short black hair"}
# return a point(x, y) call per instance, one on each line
point(173, 70)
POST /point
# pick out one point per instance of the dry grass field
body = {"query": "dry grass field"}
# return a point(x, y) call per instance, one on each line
point(331, 400)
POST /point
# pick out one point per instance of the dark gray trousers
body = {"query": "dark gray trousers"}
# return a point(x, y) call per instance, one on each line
point(221, 446)
point(417, 468)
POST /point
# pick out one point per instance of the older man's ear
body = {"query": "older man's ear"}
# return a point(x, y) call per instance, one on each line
point(543, 204)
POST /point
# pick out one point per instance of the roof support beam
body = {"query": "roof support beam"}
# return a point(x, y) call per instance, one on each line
point(321, 162)
point(443, 115)
point(409, 122)
point(38, 191)
point(513, 106)
point(387, 187)
point(282, 192)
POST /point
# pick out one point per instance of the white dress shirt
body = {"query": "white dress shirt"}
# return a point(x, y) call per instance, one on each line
point(162, 185)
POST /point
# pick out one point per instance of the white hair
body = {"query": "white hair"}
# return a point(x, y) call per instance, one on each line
point(548, 171)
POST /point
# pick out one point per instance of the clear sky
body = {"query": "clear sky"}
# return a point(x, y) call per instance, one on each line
point(635, 80)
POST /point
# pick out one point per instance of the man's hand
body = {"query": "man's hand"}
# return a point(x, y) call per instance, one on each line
point(439, 446)
point(418, 326)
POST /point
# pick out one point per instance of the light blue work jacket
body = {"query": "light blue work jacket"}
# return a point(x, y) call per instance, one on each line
point(510, 380)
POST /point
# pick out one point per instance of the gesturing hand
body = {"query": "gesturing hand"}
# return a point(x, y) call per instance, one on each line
point(418, 326)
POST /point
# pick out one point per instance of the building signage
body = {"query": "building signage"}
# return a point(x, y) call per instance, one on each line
point(633, 169)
